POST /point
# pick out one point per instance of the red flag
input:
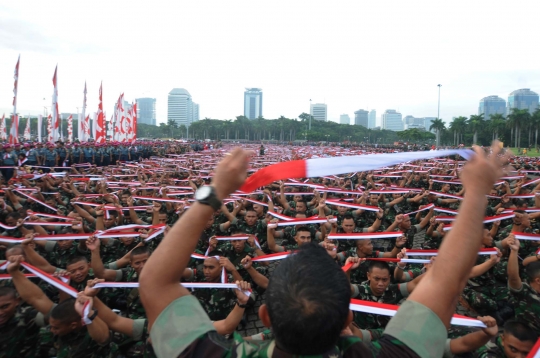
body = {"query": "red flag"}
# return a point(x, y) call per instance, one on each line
point(134, 124)
point(14, 131)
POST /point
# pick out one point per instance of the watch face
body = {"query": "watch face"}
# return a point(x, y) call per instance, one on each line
point(203, 193)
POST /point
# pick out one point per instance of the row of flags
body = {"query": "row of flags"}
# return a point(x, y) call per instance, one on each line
point(123, 123)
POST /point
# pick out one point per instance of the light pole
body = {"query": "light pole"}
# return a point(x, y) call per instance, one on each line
point(310, 114)
point(439, 104)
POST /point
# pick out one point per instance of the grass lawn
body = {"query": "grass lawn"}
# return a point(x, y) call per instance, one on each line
point(531, 153)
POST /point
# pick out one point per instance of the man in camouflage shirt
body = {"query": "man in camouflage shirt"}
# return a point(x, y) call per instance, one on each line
point(517, 340)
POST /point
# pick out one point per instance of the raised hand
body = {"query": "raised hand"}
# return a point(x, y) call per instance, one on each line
point(93, 243)
point(241, 295)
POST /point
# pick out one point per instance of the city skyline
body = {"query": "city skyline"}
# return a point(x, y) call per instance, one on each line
point(399, 74)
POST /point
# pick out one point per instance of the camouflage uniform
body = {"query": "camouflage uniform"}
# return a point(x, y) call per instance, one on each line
point(18, 336)
point(410, 233)
point(134, 307)
point(492, 349)
point(483, 292)
point(393, 295)
point(136, 346)
point(203, 340)
point(289, 232)
point(59, 257)
point(259, 230)
point(217, 302)
point(432, 242)
point(527, 307)
point(359, 274)
point(79, 345)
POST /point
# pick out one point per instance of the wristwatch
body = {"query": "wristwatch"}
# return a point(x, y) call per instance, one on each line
point(241, 305)
point(94, 315)
point(206, 195)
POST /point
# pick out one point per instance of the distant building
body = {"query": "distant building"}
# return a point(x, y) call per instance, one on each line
point(491, 105)
point(391, 120)
point(361, 118)
point(344, 119)
point(523, 99)
point(319, 111)
point(180, 107)
point(195, 112)
point(66, 116)
point(413, 122)
point(427, 123)
point(253, 103)
point(146, 111)
point(372, 119)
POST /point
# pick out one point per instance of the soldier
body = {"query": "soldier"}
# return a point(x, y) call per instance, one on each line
point(517, 340)
point(348, 226)
point(41, 153)
point(403, 224)
point(62, 153)
point(31, 154)
point(89, 153)
point(72, 338)
point(18, 327)
point(8, 159)
point(75, 154)
point(527, 294)
point(364, 249)
point(378, 289)
point(303, 235)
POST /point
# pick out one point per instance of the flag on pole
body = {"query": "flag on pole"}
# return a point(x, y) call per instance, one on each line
point(3, 127)
point(100, 124)
point(94, 119)
point(14, 131)
point(70, 128)
point(27, 129)
point(118, 117)
point(55, 128)
point(86, 128)
point(39, 124)
point(134, 123)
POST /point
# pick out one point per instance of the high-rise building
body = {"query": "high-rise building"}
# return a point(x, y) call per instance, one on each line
point(391, 120)
point(413, 122)
point(361, 118)
point(146, 111)
point(492, 105)
point(344, 119)
point(253, 103)
point(427, 123)
point(372, 119)
point(523, 99)
point(180, 107)
point(195, 112)
point(319, 111)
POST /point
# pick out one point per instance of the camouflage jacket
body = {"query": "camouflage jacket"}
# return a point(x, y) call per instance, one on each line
point(79, 345)
point(527, 307)
point(393, 295)
point(217, 302)
point(18, 336)
point(492, 349)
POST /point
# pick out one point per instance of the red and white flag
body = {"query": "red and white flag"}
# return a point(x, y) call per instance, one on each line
point(86, 128)
point(318, 167)
point(82, 117)
point(100, 122)
point(27, 129)
point(3, 134)
point(134, 123)
point(118, 117)
point(70, 128)
point(14, 131)
point(54, 109)
point(39, 123)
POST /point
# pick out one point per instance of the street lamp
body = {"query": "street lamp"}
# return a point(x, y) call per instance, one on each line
point(439, 104)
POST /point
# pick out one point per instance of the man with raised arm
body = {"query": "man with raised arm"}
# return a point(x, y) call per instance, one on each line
point(308, 295)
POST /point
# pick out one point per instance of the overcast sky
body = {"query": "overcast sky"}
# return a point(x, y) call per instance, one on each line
point(348, 54)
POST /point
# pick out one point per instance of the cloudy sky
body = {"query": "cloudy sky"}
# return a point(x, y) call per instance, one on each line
point(349, 54)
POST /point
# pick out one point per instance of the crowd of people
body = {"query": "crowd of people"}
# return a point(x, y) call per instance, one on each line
point(150, 249)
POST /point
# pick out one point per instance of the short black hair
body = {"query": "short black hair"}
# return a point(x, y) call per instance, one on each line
point(520, 211)
point(533, 269)
point(301, 201)
point(380, 265)
point(215, 253)
point(126, 192)
point(304, 229)
point(139, 251)
point(15, 215)
point(520, 330)
point(308, 299)
point(76, 259)
point(348, 216)
point(8, 291)
point(65, 312)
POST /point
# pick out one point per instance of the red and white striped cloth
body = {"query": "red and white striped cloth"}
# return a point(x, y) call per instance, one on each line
point(364, 236)
point(390, 310)
point(319, 167)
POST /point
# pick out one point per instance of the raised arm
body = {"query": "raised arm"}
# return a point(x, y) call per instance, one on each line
point(458, 252)
point(159, 279)
point(93, 244)
point(514, 281)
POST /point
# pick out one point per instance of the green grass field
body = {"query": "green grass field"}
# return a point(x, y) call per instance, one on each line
point(531, 153)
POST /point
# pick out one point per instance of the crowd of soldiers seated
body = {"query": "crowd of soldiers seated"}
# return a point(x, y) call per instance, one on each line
point(55, 224)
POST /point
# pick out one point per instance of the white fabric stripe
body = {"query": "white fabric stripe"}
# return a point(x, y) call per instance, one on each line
point(340, 165)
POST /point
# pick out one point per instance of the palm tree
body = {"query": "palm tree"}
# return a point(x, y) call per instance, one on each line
point(458, 126)
point(518, 118)
point(439, 125)
point(475, 123)
point(496, 123)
